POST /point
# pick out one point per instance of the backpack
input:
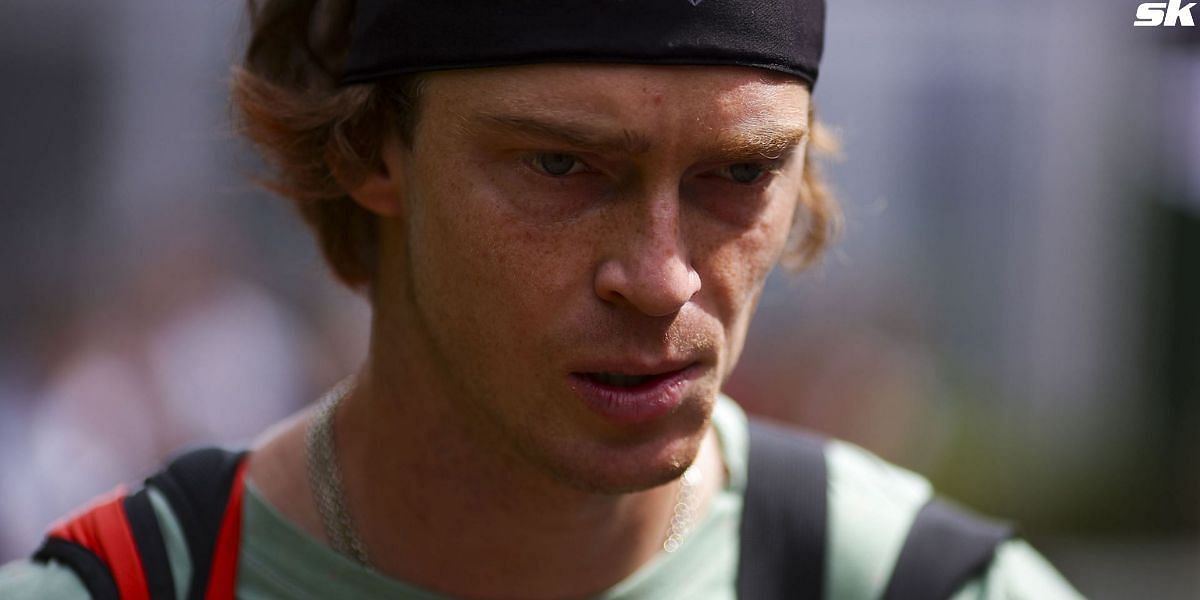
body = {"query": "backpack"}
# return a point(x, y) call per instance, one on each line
point(117, 550)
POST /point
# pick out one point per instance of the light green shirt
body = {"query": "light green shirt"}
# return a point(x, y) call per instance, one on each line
point(871, 506)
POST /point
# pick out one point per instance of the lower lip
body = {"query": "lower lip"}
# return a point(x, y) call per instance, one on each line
point(636, 404)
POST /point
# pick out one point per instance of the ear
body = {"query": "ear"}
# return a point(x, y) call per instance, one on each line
point(380, 190)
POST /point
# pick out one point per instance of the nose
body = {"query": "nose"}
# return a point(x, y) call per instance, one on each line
point(648, 269)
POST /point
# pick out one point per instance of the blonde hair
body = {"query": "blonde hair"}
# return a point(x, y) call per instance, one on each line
point(319, 139)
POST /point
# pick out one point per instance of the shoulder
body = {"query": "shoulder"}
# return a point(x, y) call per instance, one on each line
point(76, 556)
point(876, 512)
point(29, 580)
point(873, 506)
point(1018, 572)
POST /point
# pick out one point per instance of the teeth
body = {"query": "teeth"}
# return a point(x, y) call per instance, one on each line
point(619, 379)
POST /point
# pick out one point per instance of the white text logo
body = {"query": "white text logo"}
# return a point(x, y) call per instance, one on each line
point(1170, 14)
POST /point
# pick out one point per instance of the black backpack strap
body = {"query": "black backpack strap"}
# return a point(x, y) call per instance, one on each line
point(92, 571)
point(946, 547)
point(783, 516)
point(143, 524)
point(197, 485)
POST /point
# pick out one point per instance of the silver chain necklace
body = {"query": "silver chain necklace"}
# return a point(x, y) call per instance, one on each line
point(325, 477)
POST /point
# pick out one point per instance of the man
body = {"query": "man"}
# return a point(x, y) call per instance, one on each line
point(563, 216)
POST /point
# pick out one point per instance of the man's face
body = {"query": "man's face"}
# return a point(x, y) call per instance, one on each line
point(580, 250)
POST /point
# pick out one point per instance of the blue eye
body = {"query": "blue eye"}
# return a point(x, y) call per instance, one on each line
point(556, 165)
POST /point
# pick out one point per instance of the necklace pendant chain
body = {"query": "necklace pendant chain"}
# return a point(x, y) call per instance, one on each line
point(684, 511)
point(325, 476)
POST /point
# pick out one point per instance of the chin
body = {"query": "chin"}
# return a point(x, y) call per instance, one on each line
point(615, 482)
point(605, 466)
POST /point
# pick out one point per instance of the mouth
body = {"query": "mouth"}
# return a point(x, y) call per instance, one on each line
point(622, 380)
point(632, 395)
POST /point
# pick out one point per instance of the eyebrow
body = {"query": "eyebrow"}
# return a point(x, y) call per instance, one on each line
point(758, 141)
point(766, 140)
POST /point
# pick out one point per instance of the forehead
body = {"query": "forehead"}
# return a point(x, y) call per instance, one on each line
point(645, 98)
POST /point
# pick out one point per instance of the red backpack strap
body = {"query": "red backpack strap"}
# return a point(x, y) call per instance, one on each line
point(156, 566)
point(223, 580)
point(98, 544)
point(116, 547)
point(204, 488)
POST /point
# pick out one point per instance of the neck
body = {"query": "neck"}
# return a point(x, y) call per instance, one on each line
point(437, 505)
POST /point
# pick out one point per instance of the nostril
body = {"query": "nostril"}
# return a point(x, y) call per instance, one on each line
point(653, 289)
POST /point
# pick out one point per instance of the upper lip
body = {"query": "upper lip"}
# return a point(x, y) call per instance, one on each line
point(634, 366)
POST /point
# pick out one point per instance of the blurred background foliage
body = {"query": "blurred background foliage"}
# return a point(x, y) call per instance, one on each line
point(1013, 309)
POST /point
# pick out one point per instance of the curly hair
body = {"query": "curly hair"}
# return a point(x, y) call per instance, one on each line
point(319, 138)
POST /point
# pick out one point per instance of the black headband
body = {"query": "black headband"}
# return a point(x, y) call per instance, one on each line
point(391, 37)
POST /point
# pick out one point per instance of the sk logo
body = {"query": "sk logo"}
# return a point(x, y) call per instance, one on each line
point(1168, 14)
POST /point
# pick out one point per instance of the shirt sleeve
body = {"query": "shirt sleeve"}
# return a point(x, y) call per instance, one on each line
point(1018, 572)
point(28, 580)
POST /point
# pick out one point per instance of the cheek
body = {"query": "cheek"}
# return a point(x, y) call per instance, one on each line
point(736, 271)
point(739, 264)
point(482, 273)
